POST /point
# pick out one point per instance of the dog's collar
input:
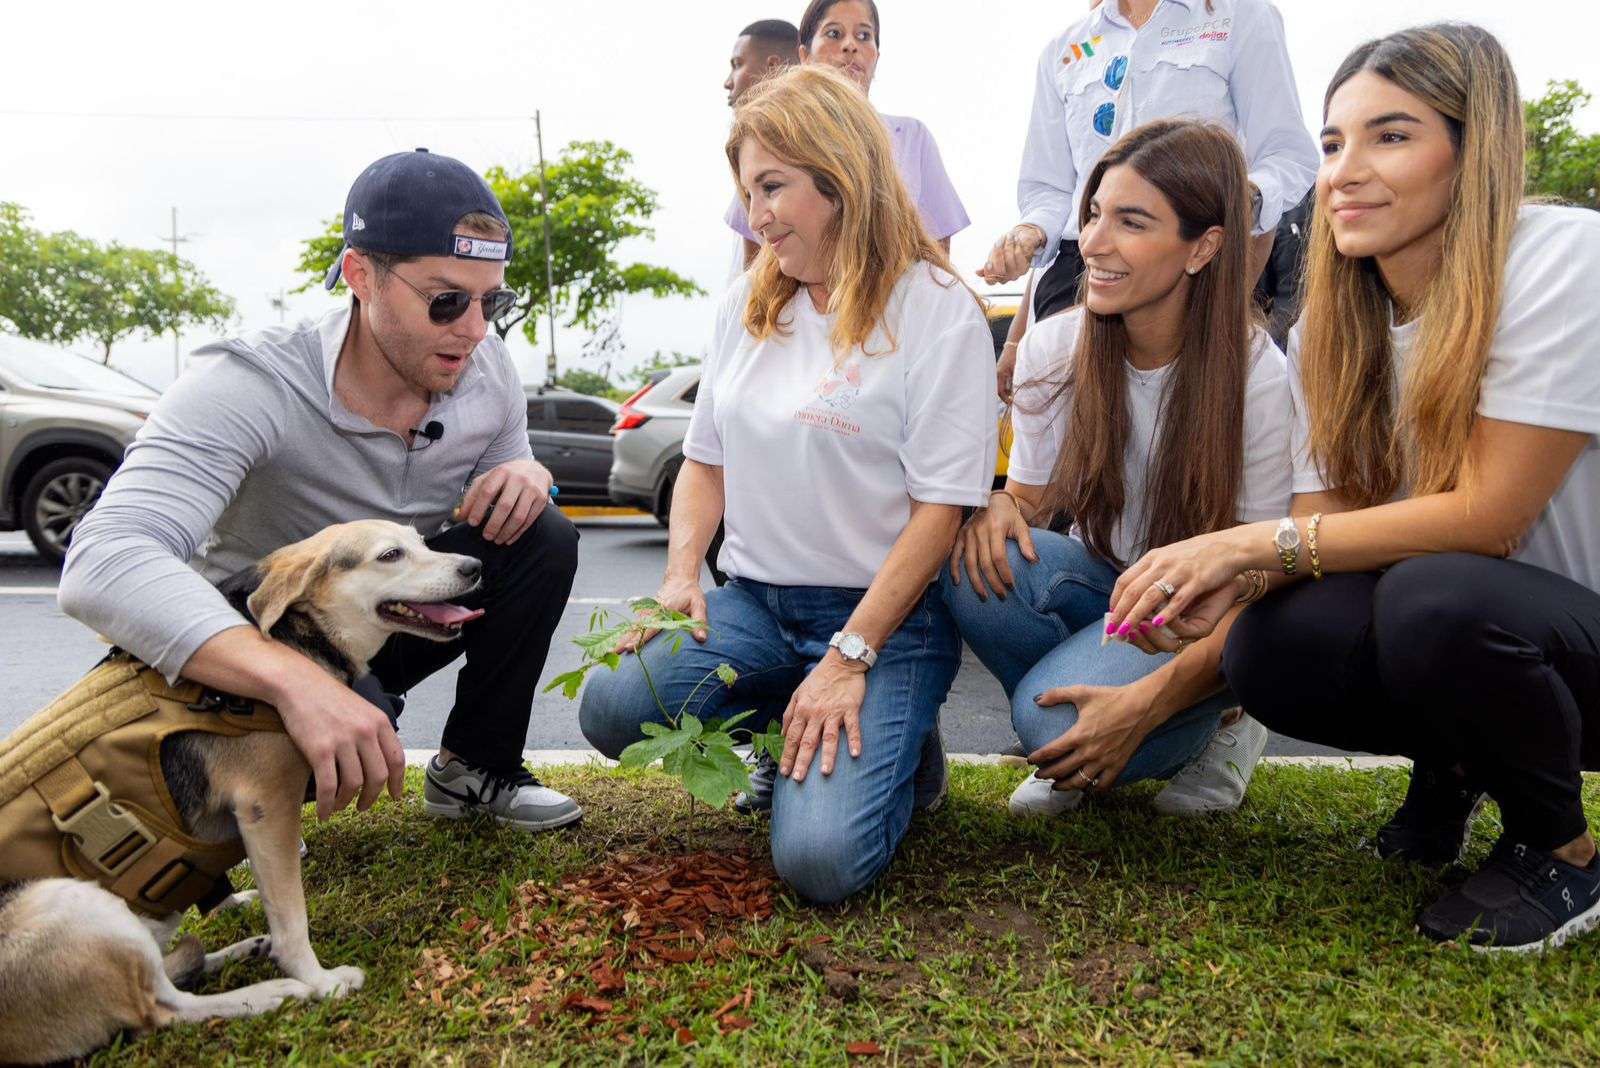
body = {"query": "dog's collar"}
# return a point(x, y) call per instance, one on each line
point(301, 633)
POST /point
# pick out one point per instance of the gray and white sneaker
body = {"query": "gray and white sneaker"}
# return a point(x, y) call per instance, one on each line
point(762, 778)
point(456, 789)
point(1039, 797)
point(1215, 781)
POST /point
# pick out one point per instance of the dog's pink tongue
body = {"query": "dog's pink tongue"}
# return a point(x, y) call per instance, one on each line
point(445, 614)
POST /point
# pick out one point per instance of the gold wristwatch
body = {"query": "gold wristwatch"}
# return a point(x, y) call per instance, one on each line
point(1287, 542)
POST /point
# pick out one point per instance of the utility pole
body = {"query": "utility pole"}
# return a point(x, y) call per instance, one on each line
point(175, 239)
point(279, 303)
point(549, 270)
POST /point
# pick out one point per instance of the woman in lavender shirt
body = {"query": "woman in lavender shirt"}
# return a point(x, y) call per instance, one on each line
point(844, 34)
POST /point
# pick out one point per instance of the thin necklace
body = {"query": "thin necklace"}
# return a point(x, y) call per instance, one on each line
point(1144, 378)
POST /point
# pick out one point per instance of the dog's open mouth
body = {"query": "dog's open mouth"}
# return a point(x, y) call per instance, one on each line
point(438, 617)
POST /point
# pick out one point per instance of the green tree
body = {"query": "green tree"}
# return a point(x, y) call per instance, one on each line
point(595, 205)
point(1562, 162)
point(64, 287)
point(660, 361)
point(581, 381)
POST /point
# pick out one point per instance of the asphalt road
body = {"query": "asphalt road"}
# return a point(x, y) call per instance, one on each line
point(42, 652)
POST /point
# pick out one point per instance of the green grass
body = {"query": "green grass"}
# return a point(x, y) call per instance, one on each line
point(1110, 936)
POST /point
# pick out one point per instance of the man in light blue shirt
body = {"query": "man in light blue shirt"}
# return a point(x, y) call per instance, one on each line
point(1126, 63)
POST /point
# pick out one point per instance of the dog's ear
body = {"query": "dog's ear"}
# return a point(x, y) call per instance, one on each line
point(285, 579)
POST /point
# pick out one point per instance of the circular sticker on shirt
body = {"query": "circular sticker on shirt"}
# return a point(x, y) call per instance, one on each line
point(1105, 116)
point(1116, 70)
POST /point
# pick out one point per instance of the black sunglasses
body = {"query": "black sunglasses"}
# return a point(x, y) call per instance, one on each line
point(452, 304)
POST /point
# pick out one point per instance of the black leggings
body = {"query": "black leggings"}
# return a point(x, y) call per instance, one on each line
point(1447, 659)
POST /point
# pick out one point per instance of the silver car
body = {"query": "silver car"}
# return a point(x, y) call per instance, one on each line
point(648, 449)
point(64, 423)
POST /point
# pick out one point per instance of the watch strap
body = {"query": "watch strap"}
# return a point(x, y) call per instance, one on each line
point(869, 655)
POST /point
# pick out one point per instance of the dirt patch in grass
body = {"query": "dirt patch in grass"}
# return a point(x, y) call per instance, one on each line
point(652, 815)
point(1105, 973)
point(995, 930)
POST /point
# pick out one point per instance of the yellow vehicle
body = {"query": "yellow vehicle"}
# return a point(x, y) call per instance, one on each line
point(1002, 309)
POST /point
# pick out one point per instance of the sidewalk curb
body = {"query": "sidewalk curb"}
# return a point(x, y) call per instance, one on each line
point(555, 758)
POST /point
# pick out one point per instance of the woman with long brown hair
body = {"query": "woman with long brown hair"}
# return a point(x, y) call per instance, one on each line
point(1447, 377)
point(1156, 411)
point(844, 418)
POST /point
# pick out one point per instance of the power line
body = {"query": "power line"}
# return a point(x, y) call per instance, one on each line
point(24, 113)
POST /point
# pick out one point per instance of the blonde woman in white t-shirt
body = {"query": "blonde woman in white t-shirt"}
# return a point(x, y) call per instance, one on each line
point(1447, 378)
point(844, 417)
point(1157, 411)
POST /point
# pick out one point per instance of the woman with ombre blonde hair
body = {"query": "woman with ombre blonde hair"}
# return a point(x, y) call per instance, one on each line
point(845, 416)
point(1447, 490)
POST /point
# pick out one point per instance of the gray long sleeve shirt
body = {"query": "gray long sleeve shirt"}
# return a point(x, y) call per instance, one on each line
point(253, 451)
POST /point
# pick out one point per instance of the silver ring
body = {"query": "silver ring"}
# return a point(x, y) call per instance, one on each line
point(1092, 782)
point(1165, 587)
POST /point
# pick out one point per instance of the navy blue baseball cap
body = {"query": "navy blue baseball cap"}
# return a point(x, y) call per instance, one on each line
point(408, 204)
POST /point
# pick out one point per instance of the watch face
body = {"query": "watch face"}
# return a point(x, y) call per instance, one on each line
point(853, 645)
point(1287, 537)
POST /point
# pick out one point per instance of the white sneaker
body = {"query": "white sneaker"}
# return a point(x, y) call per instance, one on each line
point(1215, 781)
point(1039, 797)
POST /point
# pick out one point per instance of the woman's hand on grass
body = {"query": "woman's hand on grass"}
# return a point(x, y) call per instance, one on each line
point(827, 701)
point(981, 543)
point(1112, 723)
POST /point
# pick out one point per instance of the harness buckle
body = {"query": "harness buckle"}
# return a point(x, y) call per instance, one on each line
point(111, 838)
point(214, 701)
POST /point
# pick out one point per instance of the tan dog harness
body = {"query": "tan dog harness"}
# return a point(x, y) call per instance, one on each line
point(82, 794)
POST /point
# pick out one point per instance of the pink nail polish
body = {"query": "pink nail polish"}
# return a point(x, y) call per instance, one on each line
point(1111, 628)
point(1144, 628)
point(1123, 630)
point(1158, 621)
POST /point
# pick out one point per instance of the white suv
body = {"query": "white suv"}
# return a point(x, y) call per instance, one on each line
point(649, 442)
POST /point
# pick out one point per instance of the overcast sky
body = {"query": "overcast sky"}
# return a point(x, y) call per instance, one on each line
point(253, 119)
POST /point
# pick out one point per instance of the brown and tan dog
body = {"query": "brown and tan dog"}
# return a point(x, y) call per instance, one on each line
point(77, 965)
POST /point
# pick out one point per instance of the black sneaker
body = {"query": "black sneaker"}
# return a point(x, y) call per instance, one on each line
point(1521, 901)
point(931, 784)
point(1434, 822)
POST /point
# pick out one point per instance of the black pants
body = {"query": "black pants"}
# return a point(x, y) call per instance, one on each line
point(1447, 659)
point(524, 592)
point(1057, 288)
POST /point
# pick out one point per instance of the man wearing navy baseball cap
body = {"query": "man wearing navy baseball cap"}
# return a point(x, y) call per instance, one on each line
point(390, 408)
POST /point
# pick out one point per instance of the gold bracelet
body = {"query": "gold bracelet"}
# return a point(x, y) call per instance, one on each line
point(1311, 546)
point(1007, 493)
point(1258, 587)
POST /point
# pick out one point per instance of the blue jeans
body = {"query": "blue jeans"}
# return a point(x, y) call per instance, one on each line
point(1047, 632)
point(832, 835)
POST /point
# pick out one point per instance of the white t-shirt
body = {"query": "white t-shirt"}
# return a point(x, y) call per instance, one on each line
point(821, 457)
point(1045, 358)
point(1544, 370)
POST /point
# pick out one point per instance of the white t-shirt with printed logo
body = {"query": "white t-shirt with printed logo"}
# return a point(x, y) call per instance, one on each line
point(1543, 370)
point(822, 457)
point(1044, 360)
